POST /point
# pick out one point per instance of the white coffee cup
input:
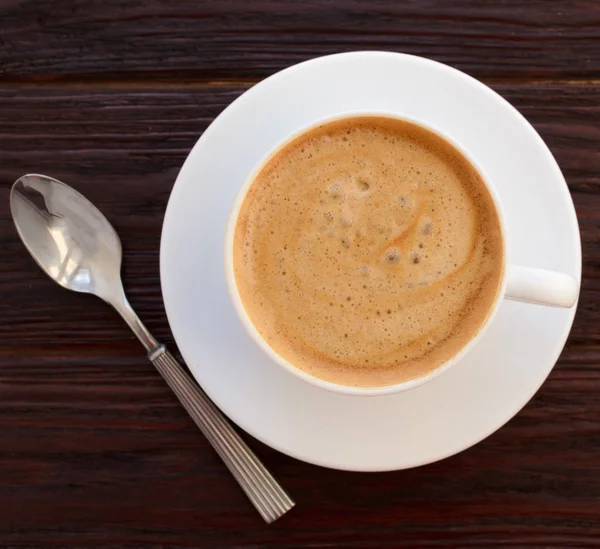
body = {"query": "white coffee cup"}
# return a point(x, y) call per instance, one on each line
point(525, 284)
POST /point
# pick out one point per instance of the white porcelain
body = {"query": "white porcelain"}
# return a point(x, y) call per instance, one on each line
point(405, 429)
point(526, 284)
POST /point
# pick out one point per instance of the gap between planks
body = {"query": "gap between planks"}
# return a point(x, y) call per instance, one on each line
point(191, 83)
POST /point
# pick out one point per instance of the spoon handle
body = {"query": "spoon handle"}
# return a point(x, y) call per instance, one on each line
point(267, 495)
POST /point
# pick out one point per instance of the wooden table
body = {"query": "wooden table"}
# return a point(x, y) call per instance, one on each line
point(110, 96)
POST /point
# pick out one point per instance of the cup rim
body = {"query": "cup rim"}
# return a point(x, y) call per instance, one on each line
point(245, 318)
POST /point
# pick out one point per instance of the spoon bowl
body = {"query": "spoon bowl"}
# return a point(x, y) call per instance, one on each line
point(67, 235)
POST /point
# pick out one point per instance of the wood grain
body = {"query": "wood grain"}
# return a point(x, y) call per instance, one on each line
point(150, 40)
point(96, 452)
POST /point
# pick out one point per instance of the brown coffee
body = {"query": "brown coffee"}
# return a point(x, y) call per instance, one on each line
point(368, 251)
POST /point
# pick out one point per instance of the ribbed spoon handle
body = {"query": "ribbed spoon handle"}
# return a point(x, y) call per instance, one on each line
point(266, 494)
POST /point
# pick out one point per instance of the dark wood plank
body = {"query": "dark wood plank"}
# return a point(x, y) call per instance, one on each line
point(96, 452)
point(158, 39)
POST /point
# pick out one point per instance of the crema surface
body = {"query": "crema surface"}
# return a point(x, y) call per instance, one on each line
point(368, 251)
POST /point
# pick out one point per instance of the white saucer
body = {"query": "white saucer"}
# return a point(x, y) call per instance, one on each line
point(442, 417)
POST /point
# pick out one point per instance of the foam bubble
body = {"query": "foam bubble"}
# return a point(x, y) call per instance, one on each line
point(392, 257)
point(363, 185)
point(427, 226)
point(335, 191)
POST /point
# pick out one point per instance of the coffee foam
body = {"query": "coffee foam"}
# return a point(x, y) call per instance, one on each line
point(368, 252)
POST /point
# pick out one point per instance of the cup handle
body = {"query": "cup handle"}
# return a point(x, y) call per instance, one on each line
point(541, 287)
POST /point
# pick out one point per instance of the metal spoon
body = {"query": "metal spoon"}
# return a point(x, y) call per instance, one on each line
point(79, 249)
